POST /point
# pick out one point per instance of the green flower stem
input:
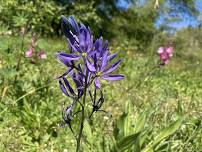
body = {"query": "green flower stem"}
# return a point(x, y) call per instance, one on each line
point(78, 147)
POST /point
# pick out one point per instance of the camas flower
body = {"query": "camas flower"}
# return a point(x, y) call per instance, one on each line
point(101, 70)
point(96, 55)
point(87, 62)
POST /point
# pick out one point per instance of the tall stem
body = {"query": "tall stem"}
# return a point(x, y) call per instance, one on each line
point(78, 147)
point(20, 57)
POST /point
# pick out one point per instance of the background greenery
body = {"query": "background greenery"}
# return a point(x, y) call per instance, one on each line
point(152, 109)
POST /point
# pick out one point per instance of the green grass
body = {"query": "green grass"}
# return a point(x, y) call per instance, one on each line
point(30, 112)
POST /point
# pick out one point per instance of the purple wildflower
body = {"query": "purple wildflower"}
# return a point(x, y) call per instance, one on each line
point(100, 69)
point(87, 63)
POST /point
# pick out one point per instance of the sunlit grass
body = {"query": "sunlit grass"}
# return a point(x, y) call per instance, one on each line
point(34, 119)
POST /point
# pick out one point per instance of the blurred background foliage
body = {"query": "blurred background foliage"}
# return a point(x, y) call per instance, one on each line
point(152, 110)
point(133, 21)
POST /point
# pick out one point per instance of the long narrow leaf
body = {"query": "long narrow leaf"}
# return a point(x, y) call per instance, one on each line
point(163, 134)
point(140, 122)
point(127, 142)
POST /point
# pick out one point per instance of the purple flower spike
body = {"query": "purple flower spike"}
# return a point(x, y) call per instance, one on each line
point(88, 63)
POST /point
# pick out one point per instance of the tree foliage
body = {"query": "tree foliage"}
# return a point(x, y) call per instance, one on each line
point(105, 17)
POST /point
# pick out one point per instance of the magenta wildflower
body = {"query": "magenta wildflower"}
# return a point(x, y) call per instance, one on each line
point(165, 54)
point(34, 52)
point(169, 50)
point(29, 53)
point(42, 55)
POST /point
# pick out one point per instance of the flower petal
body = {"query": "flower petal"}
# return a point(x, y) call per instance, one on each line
point(114, 77)
point(112, 56)
point(68, 86)
point(160, 50)
point(169, 50)
point(164, 56)
point(78, 84)
point(85, 39)
point(78, 49)
point(67, 29)
point(71, 46)
point(67, 57)
point(29, 53)
point(89, 41)
point(70, 24)
point(105, 48)
point(64, 90)
point(104, 62)
point(113, 67)
point(68, 110)
point(73, 23)
point(90, 66)
point(97, 83)
point(98, 44)
point(82, 39)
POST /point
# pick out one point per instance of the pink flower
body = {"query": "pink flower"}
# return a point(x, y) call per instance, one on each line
point(160, 50)
point(29, 53)
point(42, 55)
point(165, 54)
point(169, 50)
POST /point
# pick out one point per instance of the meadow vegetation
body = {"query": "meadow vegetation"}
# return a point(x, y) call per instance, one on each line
point(155, 108)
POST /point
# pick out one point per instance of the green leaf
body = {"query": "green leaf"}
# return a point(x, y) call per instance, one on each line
point(137, 146)
point(163, 134)
point(120, 124)
point(179, 109)
point(127, 142)
point(8, 72)
point(140, 122)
